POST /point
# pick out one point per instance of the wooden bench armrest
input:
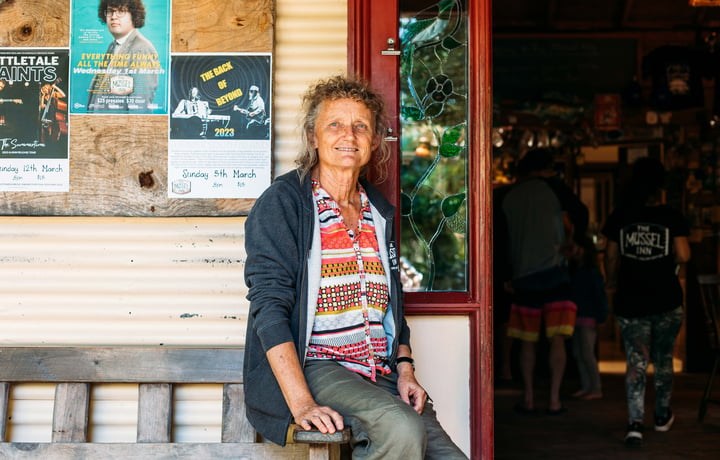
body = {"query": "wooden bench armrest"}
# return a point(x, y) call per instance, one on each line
point(316, 437)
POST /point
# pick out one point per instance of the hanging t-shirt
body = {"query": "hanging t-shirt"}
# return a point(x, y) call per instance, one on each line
point(647, 282)
point(711, 59)
point(676, 73)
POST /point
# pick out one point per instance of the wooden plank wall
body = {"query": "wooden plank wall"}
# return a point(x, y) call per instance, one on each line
point(109, 154)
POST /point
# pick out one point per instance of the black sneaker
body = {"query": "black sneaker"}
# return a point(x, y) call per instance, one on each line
point(664, 423)
point(634, 435)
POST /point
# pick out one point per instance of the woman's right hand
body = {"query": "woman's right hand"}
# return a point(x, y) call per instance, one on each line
point(324, 418)
point(306, 412)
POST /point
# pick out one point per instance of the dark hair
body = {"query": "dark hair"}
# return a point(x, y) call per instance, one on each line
point(648, 178)
point(342, 87)
point(537, 159)
point(135, 7)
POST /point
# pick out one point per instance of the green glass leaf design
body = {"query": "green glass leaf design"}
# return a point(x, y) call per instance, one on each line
point(411, 113)
point(450, 150)
point(451, 204)
point(453, 134)
point(444, 7)
point(416, 28)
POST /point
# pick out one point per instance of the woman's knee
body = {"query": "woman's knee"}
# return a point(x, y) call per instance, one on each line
point(399, 430)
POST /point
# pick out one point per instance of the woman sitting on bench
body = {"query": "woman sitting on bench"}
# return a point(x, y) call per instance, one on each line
point(327, 342)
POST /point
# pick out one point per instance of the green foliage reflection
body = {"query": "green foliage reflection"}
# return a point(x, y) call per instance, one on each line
point(433, 100)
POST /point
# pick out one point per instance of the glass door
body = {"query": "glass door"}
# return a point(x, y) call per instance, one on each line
point(431, 60)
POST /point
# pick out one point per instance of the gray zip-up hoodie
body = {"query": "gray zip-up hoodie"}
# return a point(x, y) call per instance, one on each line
point(282, 273)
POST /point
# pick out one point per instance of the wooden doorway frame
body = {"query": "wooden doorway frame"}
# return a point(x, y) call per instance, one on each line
point(370, 24)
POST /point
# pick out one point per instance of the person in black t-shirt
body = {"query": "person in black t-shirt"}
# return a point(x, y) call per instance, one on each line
point(646, 242)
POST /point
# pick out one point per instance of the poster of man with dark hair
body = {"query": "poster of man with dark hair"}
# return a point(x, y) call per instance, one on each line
point(117, 68)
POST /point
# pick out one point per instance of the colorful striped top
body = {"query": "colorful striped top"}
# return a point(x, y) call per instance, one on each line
point(353, 296)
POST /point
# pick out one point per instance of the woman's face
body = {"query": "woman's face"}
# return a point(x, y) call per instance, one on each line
point(344, 135)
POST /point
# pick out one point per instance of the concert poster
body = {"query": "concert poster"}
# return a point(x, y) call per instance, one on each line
point(220, 124)
point(34, 148)
point(119, 59)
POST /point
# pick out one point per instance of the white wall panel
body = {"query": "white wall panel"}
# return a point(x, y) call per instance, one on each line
point(440, 347)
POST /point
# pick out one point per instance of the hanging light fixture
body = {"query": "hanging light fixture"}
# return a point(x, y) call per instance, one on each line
point(704, 2)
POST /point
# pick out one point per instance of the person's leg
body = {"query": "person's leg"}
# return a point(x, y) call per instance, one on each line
point(587, 335)
point(665, 330)
point(501, 317)
point(527, 368)
point(636, 338)
point(560, 316)
point(439, 445)
point(383, 426)
point(524, 325)
point(593, 371)
point(557, 369)
point(506, 356)
point(578, 342)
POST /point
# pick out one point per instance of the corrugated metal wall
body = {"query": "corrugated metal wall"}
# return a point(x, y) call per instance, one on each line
point(140, 281)
point(310, 43)
point(151, 281)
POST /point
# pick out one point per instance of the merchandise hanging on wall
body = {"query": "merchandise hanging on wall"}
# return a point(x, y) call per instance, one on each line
point(119, 57)
point(34, 153)
point(219, 136)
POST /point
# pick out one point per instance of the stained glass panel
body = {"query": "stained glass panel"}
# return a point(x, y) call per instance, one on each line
point(433, 117)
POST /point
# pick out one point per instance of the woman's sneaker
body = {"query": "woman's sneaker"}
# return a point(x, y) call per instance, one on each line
point(664, 423)
point(634, 435)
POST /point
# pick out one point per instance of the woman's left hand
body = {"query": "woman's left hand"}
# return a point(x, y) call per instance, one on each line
point(410, 390)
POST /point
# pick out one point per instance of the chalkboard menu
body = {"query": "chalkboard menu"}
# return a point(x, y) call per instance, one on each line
point(527, 68)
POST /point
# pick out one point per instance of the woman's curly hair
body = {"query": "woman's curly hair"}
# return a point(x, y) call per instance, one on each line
point(135, 7)
point(343, 87)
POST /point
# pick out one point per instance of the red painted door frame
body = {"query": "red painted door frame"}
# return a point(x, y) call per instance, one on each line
point(370, 24)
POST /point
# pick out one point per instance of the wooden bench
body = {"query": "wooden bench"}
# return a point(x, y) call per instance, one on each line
point(155, 369)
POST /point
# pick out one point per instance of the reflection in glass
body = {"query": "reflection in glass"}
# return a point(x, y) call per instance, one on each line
point(433, 116)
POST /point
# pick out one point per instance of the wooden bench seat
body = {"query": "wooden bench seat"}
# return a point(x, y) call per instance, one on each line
point(155, 369)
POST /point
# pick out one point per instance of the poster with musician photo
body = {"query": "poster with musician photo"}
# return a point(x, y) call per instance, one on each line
point(220, 124)
point(119, 56)
point(34, 148)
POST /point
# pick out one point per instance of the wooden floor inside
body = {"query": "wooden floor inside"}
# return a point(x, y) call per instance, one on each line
point(595, 429)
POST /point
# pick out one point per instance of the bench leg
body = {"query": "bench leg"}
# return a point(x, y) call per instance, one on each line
point(4, 405)
point(324, 452)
